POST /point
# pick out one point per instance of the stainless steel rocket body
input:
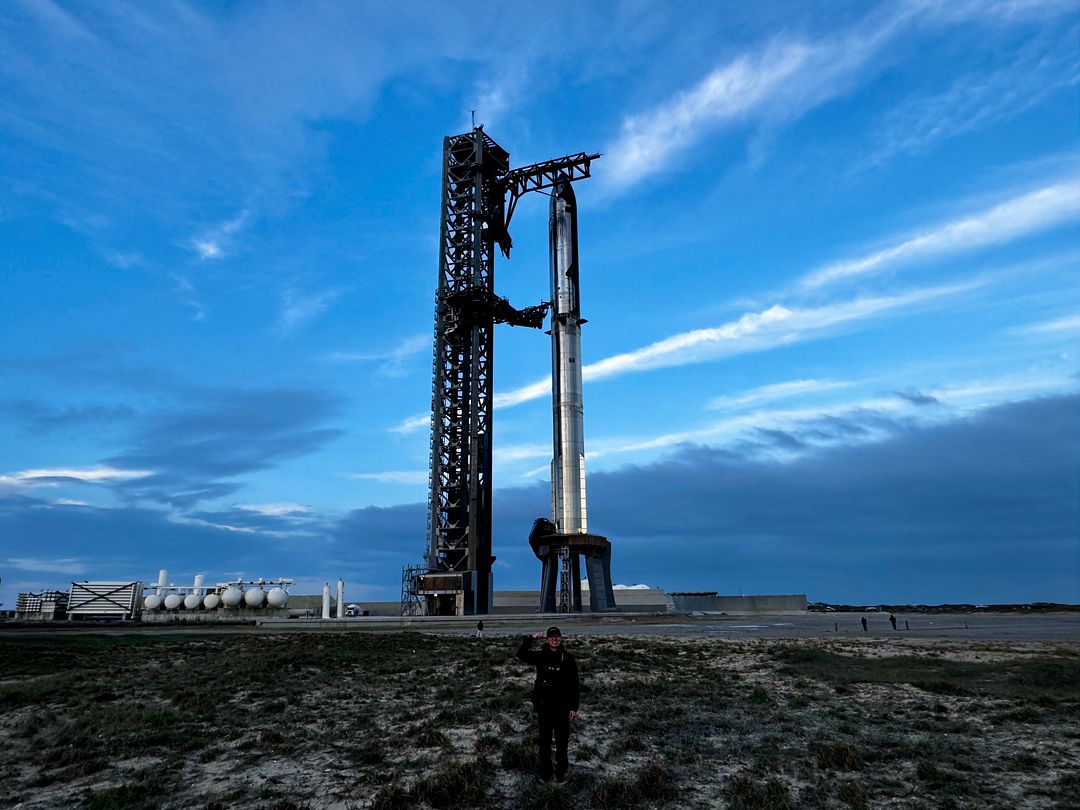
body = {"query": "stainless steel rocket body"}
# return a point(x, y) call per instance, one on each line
point(568, 463)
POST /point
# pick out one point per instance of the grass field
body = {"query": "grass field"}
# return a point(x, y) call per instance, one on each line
point(410, 720)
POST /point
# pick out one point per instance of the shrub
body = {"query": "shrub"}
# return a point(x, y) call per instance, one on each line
point(115, 798)
point(549, 796)
point(631, 742)
point(392, 796)
point(519, 755)
point(745, 791)
point(654, 781)
point(839, 756)
point(456, 785)
point(430, 737)
point(366, 754)
point(853, 794)
point(614, 794)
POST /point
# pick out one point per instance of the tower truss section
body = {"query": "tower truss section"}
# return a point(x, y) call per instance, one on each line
point(459, 545)
point(475, 217)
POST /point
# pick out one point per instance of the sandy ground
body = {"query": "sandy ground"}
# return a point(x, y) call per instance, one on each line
point(713, 712)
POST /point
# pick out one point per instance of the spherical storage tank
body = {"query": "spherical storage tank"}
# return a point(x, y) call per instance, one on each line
point(192, 601)
point(173, 601)
point(211, 601)
point(253, 597)
point(277, 597)
point(232, 596)
point(152, 602)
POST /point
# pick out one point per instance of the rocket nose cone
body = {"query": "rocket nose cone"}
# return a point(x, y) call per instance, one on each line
point(564, 190)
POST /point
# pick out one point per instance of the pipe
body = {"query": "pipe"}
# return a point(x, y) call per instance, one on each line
point(341, 598)
point(162, 578)
point(326, 601)
point(198, 589)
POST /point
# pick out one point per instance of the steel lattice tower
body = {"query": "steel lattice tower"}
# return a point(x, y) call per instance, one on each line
point(476, 212)
point(460, 508)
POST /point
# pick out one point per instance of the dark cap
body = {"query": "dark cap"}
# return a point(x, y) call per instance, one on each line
point(554, 631)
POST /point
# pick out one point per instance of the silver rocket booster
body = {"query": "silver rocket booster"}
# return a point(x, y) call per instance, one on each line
point(568, 463)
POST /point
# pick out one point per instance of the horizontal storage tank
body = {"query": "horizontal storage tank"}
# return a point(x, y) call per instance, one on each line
point(277, 597)
point(173, 601)
point(253, 597)
point(152, 602)
point(232, 597)
point(211, 601)
point(192, 601)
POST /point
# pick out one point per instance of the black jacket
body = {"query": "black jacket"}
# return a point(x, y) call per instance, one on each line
point(556, 676)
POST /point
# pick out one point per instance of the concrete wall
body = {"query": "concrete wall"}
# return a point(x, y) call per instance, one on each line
point(732, 605)
point(216, 616)
point(636, 600)
point(640, 600)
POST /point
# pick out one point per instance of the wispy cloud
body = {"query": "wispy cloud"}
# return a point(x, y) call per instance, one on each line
point(1070, 323)
point(54, 476)
point(274, 509)
point(1020, 216)
point(755, 331)
point(190, 297)
point(783, 80)
point(299, 308)
point(393, 362)
point(1044, 67)
point(63, 565)
point(214, 242)
point(540, 388)
point(776, 391)
point(508, 454)
point(787, 432)
point(727, 95)
point(413, 423)
point(124, 261)
point(494, 96)
point(186, 520)
point(777, 83)
point(57, 20)
point(394, 476)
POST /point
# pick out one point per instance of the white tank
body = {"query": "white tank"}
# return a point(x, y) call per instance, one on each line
point(232, 597)
point(173, 601)
point(152, 602)
point(253, 597)
point(192, 601)
point(211, 601)
point(277, 597)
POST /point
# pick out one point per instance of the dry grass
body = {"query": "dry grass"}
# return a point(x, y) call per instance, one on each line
point(413, 721)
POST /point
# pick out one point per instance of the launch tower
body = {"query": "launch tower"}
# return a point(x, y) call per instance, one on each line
point(479, 195)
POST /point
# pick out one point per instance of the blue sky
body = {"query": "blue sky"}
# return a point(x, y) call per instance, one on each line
point(829, 263)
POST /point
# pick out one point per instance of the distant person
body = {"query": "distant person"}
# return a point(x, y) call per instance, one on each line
point(554, 696)
point(892, 621)
point(863, 624)
point(480, 629)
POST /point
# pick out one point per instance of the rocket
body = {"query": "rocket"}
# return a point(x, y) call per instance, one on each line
point(568, 462)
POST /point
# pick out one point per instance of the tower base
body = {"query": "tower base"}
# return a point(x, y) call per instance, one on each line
point(549, 546)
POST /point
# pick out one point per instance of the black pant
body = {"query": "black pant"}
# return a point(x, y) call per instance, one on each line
point(555, 722)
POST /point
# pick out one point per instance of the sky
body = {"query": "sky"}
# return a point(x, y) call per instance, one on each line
point(828, 261)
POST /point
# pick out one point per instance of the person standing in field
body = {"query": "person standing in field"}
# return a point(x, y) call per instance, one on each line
point(555, 697)
point(480, 629)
